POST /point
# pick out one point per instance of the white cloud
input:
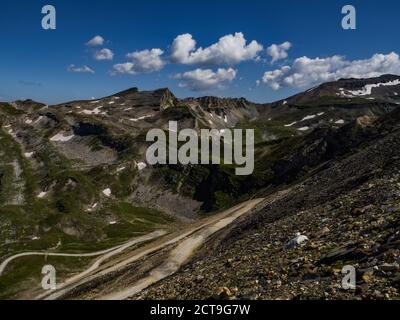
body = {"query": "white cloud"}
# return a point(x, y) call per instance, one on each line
point(123, 68)
point(144, 61)
point(306, 71)
point(96, 41)
point(84, 69)
point(229, 50)
point(279, 51)
point(205, 79)
point(104, 54)
point(147, 60)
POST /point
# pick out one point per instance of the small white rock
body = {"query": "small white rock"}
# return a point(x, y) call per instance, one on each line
point(297, 241)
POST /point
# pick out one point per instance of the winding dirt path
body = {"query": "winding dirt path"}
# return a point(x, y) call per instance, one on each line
point(181, 253)
point(183, 244)
point(107, 252)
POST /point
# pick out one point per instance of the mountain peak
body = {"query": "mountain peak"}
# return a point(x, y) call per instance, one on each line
point(126, 92)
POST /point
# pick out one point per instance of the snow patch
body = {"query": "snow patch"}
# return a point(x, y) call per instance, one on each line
point(343, 94)
point(309, 117)
point(141, 118)
point(290, 124)
point(304, 129)
point(107, 192)
point(141, 166)
point(94, 111)
point(367, 89)
point(59, 137)
point(42, 195)
point(92, 207)
point(38, 119)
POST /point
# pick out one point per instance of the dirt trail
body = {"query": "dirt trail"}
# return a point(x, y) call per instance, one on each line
point(183, 242)
point(181, 254)
point(107, 253)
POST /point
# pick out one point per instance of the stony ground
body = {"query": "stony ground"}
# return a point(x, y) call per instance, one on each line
point(350, 212)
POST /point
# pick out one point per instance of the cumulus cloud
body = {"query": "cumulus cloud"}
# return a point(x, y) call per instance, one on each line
point(279, 51)
point(144, 61)
point(104, 54)
point(306, 71)
point(229, 50)
point(147, 60)
point(96, 41)
point(205, 79)
point(75, 69)
point(123, 68)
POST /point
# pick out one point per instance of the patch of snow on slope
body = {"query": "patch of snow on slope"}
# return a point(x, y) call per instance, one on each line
point(309, 117)
point(304, 129)
point(107, 192)
point(38, 119)
point(343, 94)
point(59, 137)
point(94, 111)
point(367, 89)
point(141, 166)
point(42, 195)
point(290, 124)
point(141, 118)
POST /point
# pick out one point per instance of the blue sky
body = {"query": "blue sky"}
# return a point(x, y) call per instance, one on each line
point(36, 63)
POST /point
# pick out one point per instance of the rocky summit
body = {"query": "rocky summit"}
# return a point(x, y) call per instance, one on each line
point(74, 178)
